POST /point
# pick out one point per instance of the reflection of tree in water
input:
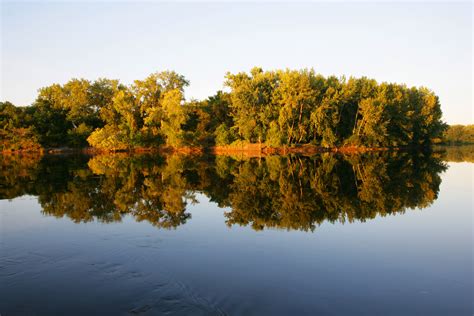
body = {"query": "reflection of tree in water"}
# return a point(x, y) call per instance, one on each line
point(291, 192)
point(17, 173)
point(297, 193)
point(148, 188)
point(35, 174)
point(462, 153)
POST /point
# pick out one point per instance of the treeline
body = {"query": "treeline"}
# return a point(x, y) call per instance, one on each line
point(293, 192)
point(459, 134)
point(277, 108)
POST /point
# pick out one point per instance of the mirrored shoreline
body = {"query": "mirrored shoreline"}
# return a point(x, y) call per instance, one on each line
point(283, 192)
point(148, 233)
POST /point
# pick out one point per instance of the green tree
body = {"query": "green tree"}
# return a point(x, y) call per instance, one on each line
point(252, 106)
point(296, 97)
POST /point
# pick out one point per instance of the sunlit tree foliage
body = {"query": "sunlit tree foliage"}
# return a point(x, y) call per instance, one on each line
point(276, 108)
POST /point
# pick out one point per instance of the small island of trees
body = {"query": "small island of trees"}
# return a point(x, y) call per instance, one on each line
point(280, 108)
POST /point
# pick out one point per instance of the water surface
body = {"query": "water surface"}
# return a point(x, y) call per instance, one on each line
point(367, 234)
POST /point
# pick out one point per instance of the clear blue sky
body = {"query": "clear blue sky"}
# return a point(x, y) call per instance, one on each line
point(424, 44)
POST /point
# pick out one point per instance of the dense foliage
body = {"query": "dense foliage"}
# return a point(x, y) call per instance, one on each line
point(459, 134)
point(283, 192)
point(16, 131)
point(278, 108)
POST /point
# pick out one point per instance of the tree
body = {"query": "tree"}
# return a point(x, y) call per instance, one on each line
point(174, 117)
point(160, 99)
point(143, 114)
point(296, 97)
point(50, 123)
point(325, 115)
point(252, 106)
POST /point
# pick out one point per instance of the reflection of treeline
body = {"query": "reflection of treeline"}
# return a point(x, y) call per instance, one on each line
point(463, 153)
point(278, 108)
point(299, 193)
point(281, 192)
point(18, 175)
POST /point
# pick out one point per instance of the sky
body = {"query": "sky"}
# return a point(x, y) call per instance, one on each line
point(419, 44)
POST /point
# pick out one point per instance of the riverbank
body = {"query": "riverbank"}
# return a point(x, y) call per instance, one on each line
point(241, 149)
point(305, 149)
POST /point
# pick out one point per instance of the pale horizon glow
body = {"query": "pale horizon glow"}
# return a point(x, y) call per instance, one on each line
point(422, 44)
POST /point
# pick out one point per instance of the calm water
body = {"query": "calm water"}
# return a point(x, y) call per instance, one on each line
point(372, 234)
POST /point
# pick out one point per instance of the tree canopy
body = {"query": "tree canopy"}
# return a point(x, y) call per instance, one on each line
point(276, 108)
